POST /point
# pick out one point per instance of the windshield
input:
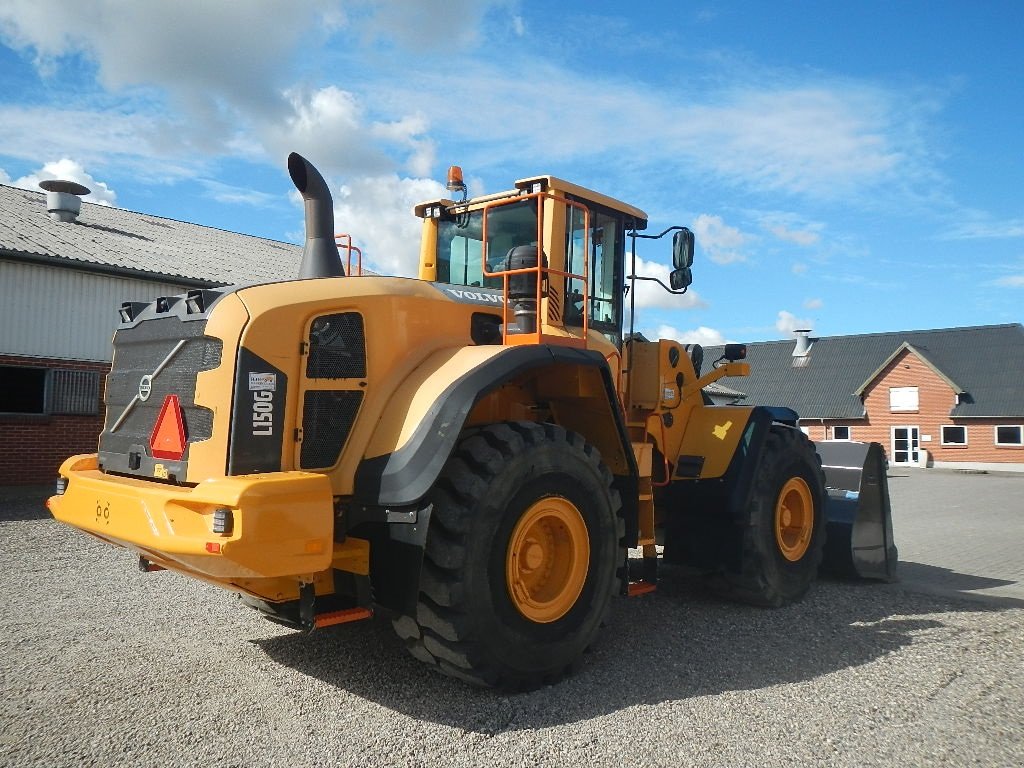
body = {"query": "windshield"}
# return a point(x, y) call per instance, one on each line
point(460, 242)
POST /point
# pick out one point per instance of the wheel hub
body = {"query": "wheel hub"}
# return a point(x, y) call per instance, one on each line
point(547, 560)
point(794, 519)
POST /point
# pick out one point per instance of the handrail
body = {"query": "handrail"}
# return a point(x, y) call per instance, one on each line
point(541, 269)
point(350, 247)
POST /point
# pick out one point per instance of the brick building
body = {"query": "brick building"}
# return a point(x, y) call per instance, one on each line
point(63, 276)
point(952, 397)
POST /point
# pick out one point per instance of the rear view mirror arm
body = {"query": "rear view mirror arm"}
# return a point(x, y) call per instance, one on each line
point(656, 280)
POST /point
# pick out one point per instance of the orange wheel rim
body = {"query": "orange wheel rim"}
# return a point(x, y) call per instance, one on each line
point(547, 561)
point(794, 519)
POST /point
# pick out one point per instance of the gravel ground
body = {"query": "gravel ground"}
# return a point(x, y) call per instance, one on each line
point(102, 665)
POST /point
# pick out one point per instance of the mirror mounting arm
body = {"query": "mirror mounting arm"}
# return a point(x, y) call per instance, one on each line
point(656, 280)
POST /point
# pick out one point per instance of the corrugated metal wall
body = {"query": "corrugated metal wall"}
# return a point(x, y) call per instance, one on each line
point(65, 313)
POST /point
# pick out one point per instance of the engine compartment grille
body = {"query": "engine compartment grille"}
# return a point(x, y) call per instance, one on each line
point(337, 347)
point(168, 354)
point(327, 419)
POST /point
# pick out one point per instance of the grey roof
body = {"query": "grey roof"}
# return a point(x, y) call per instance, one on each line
point(114, 239)
point(984, 364)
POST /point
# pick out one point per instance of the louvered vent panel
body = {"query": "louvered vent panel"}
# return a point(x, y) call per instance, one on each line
point(74, 392)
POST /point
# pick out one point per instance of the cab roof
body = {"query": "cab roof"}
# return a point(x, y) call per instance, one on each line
point(636, 218)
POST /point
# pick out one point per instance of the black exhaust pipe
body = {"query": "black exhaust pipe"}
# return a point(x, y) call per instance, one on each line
point(320, 257)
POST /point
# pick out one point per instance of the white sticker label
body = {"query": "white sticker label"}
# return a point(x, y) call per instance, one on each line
point(669, 394)
point(261, 382)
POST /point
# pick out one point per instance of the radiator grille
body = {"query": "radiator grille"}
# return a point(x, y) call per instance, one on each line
point(337, 347)
point(327, 419)
point(179, 351)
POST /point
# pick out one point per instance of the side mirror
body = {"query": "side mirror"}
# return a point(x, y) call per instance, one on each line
point(680, 279)
point(682, 249)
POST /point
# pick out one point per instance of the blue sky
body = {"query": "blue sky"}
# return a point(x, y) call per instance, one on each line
point(848, 167)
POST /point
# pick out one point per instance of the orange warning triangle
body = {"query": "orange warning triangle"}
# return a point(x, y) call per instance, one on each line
point(168, 438)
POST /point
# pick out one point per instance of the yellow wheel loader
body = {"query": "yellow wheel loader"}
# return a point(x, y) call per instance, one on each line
point(470, 454)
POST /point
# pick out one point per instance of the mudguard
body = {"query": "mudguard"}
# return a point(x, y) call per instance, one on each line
point(858, 513)
point(404, 476)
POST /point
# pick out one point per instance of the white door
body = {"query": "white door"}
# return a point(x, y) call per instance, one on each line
point(906, 442)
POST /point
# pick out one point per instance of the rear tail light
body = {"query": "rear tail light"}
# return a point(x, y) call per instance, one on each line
point(223, 521)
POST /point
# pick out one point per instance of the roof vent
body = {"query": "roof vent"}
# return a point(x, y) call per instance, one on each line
point(803, 342)
point(63, 198)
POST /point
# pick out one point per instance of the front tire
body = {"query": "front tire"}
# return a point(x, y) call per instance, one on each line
point(522, 558)
point(783, 528)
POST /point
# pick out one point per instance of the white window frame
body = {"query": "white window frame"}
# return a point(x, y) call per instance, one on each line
point(942, 432)
point(1020, 435)
point(849, 432)
point(904, 400)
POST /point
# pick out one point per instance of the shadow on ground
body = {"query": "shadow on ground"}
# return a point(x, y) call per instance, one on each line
point(935, 580)
point(24, 502)
point(675, 644)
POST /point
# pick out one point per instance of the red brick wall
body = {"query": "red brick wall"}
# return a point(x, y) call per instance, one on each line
point(935, 401)
point(32, 448)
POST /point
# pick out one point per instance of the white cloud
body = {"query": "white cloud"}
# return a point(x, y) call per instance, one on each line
point(805, 138)
point(92, 137)
point(420, 26)
point(68, 170)
point(330, 126)
point(205, 54)
point(231, 77)
point(721, 242)
point(803, 237)
point(983, 227)
point(813, 304)
point(706, 337)
point(1011, 281)
point(377, 212)
point(227, 193)
point(787, 322)
point(650, 294)
point(798, 268)
point(804, 134)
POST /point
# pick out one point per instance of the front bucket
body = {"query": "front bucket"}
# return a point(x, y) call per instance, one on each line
point(858, 515)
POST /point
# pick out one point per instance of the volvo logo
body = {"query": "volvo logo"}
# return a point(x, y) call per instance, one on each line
point(145, 388)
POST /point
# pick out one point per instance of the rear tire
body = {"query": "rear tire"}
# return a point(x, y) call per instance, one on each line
point(522, 558)
point(783, 528)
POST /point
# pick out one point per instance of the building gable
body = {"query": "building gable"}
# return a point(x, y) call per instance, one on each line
point(898, 354)
point(908, 371)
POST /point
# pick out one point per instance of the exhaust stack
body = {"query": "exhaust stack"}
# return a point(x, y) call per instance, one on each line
point(320, 257)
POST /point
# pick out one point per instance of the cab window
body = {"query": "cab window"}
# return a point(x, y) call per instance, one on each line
point(460, 242)
point(604, 241)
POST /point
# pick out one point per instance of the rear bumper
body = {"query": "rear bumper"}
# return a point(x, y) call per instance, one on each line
point(282, 523)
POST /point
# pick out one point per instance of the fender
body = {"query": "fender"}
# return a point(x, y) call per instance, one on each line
point(403, 476)
point(708, 541)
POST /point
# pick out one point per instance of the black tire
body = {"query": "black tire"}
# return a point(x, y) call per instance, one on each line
point(769, 574)
point(467, 622)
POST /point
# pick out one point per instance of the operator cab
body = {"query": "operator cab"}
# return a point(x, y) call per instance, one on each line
point(582, 237)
